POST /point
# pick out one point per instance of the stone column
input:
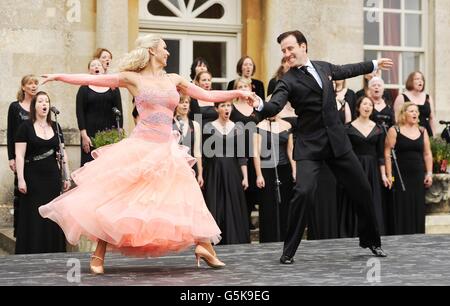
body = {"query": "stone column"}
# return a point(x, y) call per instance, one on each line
point(113, 34)
point(251, 35)
point(441, 50)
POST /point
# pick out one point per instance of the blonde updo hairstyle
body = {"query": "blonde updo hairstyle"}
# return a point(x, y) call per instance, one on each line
point(139, 58)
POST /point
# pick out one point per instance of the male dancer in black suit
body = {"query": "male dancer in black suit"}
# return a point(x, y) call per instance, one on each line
point(320, 138)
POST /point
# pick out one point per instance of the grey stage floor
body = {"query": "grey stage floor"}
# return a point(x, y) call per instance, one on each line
point(412, 260)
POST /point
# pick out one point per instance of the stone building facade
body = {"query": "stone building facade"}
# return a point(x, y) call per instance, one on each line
point(49, 36)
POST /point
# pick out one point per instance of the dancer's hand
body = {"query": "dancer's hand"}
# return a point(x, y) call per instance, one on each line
point(253, 100)
point(385, 64)
point(22, 186)
point(260, 182)
point(12, 165)
point(245, 183)
point(48, 78)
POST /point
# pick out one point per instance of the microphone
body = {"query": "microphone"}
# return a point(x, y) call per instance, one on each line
point(116, 111)
point(54, 110)
point(444, 122)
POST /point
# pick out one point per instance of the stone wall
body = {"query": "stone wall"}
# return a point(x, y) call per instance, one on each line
point(440, 53)
point(334, 30)
point(52, 36)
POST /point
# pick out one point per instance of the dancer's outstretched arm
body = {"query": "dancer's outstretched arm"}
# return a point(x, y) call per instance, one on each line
point(104, 80)
point(216, 96)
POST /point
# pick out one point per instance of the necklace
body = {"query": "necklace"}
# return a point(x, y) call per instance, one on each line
point(43, 126)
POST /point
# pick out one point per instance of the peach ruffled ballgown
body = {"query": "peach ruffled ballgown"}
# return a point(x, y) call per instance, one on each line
point(139, 195)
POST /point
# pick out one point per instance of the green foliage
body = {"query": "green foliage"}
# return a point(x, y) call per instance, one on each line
point(441, 153)
point(107, 137)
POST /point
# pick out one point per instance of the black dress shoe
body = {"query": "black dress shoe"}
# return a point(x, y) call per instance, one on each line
point(377, 251)
point(285, 260)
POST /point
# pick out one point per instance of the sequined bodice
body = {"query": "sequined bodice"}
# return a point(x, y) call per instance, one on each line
point(156, 108)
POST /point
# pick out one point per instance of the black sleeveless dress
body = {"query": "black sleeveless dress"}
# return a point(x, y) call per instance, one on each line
point(425, 113)
point(408, 207)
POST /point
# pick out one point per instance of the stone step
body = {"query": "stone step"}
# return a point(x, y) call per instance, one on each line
point(7, 240)
point(6, 216)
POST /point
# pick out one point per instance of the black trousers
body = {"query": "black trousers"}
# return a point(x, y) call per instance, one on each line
point(348, 171)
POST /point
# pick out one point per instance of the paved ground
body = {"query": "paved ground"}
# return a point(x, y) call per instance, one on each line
point(413, 260)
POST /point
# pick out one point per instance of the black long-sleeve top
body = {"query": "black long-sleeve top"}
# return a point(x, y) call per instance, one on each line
point(94, 110)
point(16, 116)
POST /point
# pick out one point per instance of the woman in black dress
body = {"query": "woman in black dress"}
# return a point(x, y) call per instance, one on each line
point(415, 93)
point(247, 118)
point(382, 111)
point(190, 135)
point(94, 111)
point(203, 112)
point(246, 69)
point(368, 144)
point(343, 93)
point(284, 67)
point(39, 180)
point(18, 113)
point(276, 131)
point(226, 177)
point(415, 160)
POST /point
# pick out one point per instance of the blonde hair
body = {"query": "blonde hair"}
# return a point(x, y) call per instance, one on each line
point(402, 113)
point(25, 80)
point(242, 80)
point(138, 59)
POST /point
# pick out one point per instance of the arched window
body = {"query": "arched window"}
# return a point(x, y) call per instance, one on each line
point(197, 28)
point(206, 9)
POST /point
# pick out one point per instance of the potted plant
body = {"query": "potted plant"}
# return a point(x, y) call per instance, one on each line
point(107, 137)
point(437, 197)
point(441, 155)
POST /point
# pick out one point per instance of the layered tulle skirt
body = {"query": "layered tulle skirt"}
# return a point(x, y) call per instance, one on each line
point(140, 197)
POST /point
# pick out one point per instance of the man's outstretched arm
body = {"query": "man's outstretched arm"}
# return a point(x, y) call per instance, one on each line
point(353, 70)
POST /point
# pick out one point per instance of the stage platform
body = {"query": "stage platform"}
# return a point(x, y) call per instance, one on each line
point(412, 260)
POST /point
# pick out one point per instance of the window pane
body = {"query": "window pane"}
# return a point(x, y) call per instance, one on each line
point(215, 54)
point(175, 3)
point(392, 4)
point(392, 29)
point(370, 55)
point(173, 64)
point(411, 63)
point(156, 8)
point(214, 12)
point(413, 28)
point(392, 76)
point(199, 3)
point(371, 29)
point(413, 5)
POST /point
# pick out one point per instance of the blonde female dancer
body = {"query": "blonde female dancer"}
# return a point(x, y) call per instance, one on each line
point(140, 196)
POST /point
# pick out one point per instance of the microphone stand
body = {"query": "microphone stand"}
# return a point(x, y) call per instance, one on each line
point(277, 182)
point(394, 157)
point(61, 155)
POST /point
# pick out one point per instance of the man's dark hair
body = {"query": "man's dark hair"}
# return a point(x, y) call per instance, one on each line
point(297, 34)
